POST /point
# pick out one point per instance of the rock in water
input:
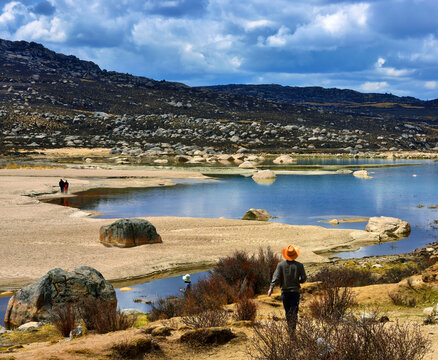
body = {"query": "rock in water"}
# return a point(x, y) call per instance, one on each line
point(129, 233)
point(256, 214)
point(388, 226)
point(57, 288)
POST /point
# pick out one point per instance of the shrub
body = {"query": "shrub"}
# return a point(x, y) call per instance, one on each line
point(208, 336)
point(166, 308)
point(198, 317)
point(246, 272)
point(344, 276)
point(335, 297)
point(64, 318)
point(103, 317)
point(246, 309)
point(402, 300)
point(349, 340)
point(132, 348)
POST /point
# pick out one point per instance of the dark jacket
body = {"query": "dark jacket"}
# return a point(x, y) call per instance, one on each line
point(289, 275)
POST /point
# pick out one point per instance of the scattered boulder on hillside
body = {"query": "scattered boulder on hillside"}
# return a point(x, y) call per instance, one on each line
point(57, 288)
point(388, 226)
point(256, 214)
point(128, 233)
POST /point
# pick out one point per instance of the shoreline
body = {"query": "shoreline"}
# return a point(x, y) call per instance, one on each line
point(44, 236)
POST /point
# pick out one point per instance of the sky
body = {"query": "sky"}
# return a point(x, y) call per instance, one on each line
point(384, 46)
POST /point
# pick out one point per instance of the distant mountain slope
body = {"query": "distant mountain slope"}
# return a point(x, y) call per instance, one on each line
point(313, 94)
point(49, 99)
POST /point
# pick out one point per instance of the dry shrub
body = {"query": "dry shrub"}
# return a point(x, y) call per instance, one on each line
point(212, 292)
point(215, 336)
point(253, 272)
point(399, 272)
point(198, 318)
point(348, 340)
point(166, 308)
point(134, 347)
point(103, 317)
point(342, 276)
point(246, 309)
point(64, 318)
point(334, 300)
point(402, 300)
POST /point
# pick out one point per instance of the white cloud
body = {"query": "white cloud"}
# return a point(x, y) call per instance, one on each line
point(431, 85)
point(43, 30)
point(390, 71)
point(374, 86)
point(257, 24)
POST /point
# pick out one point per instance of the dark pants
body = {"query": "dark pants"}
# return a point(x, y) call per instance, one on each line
point(291, 302)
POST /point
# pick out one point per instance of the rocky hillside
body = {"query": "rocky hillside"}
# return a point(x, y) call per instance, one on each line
point(50, 100)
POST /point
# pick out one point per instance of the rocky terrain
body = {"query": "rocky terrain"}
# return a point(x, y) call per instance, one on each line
point(50, 100)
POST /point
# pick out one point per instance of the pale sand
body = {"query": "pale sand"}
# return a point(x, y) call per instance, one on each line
point(36, 237)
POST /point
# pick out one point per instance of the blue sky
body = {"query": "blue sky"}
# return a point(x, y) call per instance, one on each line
point(369, 46)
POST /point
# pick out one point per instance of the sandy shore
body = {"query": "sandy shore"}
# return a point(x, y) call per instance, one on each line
point(36, 237)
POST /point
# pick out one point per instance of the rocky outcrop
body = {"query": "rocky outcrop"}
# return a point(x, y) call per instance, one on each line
point(129, 233)
point(284, 160)
point(256, 214)
point(264, 174)
point(362, 174)
point(57, 288)
point(388, 227)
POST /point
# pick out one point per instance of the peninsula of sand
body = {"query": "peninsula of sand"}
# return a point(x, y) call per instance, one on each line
point(36, 236)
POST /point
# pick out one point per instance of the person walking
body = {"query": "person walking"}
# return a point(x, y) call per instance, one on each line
point(66, 186)
point(61, 185)
point(289, 274)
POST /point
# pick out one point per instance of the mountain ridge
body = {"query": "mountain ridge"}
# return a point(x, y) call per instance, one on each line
point(49, 99)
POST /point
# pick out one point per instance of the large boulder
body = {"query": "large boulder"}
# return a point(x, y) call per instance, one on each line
point(57, 288)
point(128, 233)
point(256, 214)
point(388, 227)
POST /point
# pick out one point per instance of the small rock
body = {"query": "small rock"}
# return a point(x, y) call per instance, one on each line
point(256, 214)
point(32, 325)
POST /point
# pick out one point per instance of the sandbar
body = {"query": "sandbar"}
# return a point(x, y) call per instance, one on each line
point(36, 236)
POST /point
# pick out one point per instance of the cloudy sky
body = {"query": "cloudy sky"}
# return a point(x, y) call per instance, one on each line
point(370, 46)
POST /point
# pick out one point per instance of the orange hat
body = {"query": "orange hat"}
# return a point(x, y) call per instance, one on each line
point(291, 252)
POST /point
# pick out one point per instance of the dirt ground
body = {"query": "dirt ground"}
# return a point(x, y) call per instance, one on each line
point(99, 346)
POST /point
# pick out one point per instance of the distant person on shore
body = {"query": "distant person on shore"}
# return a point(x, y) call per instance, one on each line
point(61, 185)
point(188, 283)
point(289, 274)
point(66, 186)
